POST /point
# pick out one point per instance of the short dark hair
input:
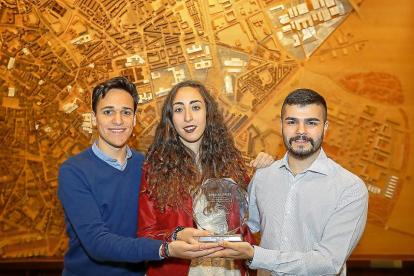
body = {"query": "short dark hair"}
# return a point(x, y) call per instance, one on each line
point(100, 91)
point(303, 97)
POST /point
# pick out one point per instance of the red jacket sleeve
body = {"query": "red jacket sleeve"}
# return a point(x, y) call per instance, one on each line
point(156, 225)
point(148, 217)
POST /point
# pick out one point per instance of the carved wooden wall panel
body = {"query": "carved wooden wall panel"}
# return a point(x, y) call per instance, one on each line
point(251, 53)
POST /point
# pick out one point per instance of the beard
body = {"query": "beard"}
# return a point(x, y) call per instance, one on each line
point(301, 152)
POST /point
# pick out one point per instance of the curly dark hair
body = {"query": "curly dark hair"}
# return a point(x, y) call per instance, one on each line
point(172, 172)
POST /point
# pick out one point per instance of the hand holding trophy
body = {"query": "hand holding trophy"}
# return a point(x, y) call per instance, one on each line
point(220, 205)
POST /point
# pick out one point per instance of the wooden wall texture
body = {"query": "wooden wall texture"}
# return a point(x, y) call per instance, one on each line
point(251, 53)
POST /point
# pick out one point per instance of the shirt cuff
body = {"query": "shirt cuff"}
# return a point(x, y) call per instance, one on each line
point(260, 259)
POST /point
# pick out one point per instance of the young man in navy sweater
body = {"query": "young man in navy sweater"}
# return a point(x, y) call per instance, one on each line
point(98, 189)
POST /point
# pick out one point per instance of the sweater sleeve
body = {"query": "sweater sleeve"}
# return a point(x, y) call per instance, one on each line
point(88, 227)
point(148, 218)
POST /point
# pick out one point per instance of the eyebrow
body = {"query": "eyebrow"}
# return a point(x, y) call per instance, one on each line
point(113, 107)
point(306, 119)
point(191, 102)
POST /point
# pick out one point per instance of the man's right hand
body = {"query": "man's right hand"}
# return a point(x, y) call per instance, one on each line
point(234, 251)
point(181, 249)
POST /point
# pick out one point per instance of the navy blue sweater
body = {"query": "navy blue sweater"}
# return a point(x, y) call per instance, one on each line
point(100, 204)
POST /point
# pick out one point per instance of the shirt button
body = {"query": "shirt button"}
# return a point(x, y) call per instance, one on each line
point(288, 212)
point(285, 239)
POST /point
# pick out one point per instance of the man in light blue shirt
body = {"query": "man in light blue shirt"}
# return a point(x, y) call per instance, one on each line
point(310, 211)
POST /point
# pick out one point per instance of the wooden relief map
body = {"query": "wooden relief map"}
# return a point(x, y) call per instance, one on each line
point(250, 53)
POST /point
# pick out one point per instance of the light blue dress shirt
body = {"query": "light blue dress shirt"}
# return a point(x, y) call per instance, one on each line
point(111, 161)
point(309, 222)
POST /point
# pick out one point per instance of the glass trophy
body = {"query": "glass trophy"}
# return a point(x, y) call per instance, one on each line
point(220, 205)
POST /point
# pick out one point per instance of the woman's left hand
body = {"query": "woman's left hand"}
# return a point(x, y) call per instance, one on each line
point(190, 235)
point(262, 160)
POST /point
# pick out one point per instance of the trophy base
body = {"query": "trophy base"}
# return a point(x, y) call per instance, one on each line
point(217, 238)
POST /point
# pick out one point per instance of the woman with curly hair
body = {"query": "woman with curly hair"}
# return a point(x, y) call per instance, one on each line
point(191, 145)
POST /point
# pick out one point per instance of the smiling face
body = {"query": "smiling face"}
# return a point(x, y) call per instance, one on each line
point(189, 117)
point(115, 120)
point(303, 129)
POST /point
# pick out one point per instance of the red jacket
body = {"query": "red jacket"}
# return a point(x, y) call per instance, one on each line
point(156, 225)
